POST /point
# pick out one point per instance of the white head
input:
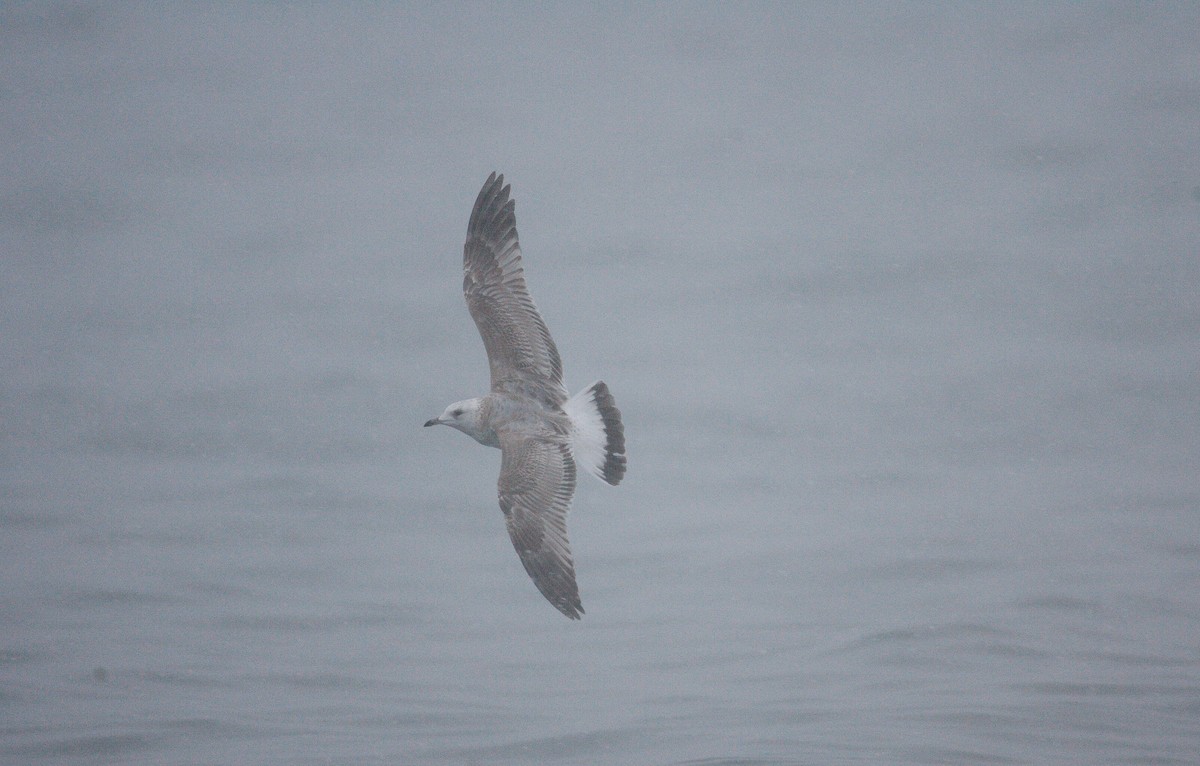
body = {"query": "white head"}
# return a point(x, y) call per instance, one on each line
point(462, 415)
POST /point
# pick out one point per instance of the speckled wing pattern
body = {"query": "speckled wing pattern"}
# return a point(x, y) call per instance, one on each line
point(537, 482)
point(521, 354)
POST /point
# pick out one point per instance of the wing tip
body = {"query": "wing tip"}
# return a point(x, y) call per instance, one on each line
point(572, 611)
point(493, 207)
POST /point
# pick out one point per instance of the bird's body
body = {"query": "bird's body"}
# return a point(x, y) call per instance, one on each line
point(542, 434)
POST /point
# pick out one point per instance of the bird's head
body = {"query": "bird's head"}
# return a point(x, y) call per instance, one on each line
point(461, 415)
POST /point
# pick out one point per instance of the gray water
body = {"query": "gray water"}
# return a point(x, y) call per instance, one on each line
point(901, 304)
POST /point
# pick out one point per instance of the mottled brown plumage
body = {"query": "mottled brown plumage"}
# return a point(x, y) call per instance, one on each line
point(540, 431)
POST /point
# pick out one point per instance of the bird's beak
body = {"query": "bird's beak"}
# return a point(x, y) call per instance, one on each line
point(433, 422)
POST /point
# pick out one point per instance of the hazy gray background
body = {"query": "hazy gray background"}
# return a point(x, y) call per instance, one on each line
point(900, 302)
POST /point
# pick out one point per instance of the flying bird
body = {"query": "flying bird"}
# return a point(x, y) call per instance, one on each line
point(542, 433)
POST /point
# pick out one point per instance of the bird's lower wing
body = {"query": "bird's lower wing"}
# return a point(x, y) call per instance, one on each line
point(537, 482)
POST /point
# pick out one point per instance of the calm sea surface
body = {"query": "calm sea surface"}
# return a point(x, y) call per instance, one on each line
point(901, 305)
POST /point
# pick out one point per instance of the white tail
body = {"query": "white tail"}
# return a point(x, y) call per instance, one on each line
point(597, 435)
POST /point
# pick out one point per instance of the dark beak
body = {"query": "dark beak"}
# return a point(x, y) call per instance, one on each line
point(429, 423)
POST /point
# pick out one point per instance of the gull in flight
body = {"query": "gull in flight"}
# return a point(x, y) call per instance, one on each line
point(541, 432)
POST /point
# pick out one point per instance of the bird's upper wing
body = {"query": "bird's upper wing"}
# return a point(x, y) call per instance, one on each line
point(521, 354)
point(537, 481)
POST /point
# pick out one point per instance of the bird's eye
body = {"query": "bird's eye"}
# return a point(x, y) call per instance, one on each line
point(456, 413)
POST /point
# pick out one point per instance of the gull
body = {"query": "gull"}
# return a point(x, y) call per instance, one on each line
point(542, 433)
